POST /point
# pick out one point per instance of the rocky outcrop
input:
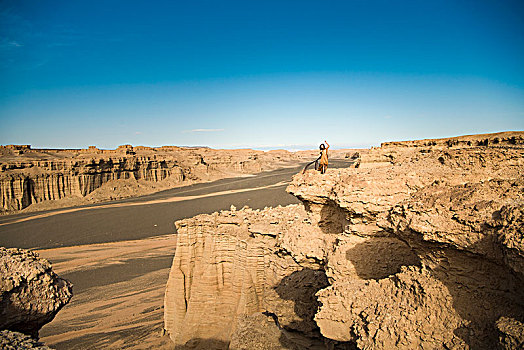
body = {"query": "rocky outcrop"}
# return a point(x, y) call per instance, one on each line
point(36, 176)
point(418, 247)
point(18, 341)
point(32, 293)
point(231, 264)
point(459, 211)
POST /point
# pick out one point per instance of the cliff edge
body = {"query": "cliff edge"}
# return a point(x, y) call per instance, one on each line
point(420, 246)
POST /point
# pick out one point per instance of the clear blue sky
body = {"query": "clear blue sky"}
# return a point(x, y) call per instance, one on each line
point(257, 73)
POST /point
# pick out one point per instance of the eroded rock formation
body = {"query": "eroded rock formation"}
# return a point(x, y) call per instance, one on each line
point(459, 211)
point(31, 293)
point(30, 176)
point(418, 247)
point(232, 264)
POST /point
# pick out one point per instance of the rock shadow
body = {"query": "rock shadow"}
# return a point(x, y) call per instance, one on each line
point(483, 290)
point(381, 257)
point(301, 287)
point(203, 344)
point(331, 218)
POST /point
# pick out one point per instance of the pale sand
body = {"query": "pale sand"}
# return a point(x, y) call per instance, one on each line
point(109, 314)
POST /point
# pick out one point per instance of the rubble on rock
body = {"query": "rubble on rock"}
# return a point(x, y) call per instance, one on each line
point(511, 333)
point(32, 293)
point(420, 246)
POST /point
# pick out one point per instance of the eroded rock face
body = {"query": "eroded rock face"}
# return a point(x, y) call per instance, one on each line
point(459, 211)
point(409, 310)
point(32, 293)
point(418, 247)
point(231, 263)
point(37, 176)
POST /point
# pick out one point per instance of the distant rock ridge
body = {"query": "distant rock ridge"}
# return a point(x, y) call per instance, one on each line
point(417, 247)
point(29, 177)
point(507, 138)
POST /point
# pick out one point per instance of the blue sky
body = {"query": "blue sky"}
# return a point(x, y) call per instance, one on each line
point(265, 74)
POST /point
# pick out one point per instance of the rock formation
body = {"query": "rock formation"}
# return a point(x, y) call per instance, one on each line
point(499, 139)
point(420, 246)
point(29, 176)
point(230, 264)
point(32, 293)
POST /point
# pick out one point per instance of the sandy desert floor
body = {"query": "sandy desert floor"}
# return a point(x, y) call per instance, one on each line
point(118, 294)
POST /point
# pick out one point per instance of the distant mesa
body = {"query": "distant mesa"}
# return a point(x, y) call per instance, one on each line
point(17, 147)
point(40, 179)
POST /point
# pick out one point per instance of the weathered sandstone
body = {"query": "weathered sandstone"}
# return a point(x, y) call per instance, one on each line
point(231, 264)
point(29, 177)
point(420, 246)
point(459, 210)
point(32, 293)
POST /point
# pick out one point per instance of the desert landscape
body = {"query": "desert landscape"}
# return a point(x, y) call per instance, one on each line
point(415, 244)
point(262, 175)
point(40, 179)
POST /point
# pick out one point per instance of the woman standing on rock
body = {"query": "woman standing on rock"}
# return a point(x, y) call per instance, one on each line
point(323, 157)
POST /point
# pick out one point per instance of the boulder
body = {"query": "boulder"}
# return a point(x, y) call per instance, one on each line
point(32, 293)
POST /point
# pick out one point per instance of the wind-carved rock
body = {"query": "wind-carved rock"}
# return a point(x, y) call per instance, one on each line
point(418, 247)
point(37, 176)
point(32, 294)
point(230, 264)
point(459, 211)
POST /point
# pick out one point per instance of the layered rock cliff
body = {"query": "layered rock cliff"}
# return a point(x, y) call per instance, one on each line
point(230, 268)
point(418, 247)
point(31, 176)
